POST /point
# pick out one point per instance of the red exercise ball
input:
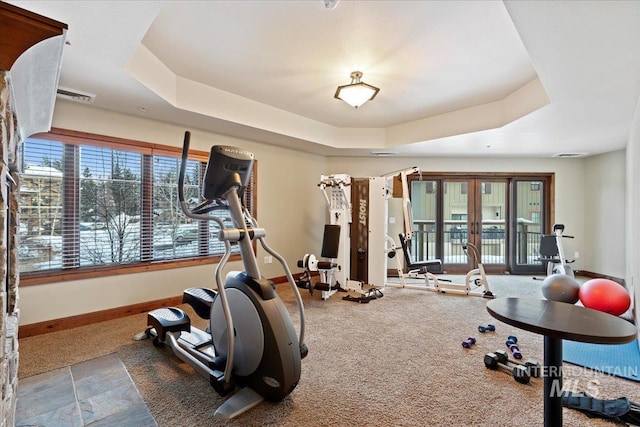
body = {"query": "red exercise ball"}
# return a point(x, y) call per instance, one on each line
point(604, 295)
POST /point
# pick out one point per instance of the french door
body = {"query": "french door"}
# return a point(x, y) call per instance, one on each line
point(531, 206)
point(500, 215)
point(474, 211)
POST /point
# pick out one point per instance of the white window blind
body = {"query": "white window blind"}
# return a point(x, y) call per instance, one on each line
point(84, 205)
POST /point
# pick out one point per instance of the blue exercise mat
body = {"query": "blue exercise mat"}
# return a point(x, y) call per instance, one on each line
point(621, 360)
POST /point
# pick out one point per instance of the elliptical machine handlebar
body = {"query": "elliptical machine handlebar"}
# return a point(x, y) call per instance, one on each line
point(204, 207)
point(198, 213)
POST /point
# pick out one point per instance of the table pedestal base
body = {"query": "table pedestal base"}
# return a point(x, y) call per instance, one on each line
point(552, 371)
point(557, 321)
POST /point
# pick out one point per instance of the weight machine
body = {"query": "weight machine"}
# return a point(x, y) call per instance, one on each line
point(369, 230)
point(337, 273)
point(360, 206)
point(420, 269)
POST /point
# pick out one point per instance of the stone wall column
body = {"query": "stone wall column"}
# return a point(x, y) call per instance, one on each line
point(9, 356)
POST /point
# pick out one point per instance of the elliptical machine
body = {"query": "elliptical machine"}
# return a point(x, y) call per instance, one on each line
point(262, 357)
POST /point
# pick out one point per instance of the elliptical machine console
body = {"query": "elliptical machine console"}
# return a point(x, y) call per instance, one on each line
point(262, 358)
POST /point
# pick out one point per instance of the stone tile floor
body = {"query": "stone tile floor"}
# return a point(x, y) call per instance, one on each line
point(97, 392)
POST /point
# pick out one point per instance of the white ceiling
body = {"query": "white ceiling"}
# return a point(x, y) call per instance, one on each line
point(456, 78)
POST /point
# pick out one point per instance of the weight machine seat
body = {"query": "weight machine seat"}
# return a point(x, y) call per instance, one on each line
point(421, 265)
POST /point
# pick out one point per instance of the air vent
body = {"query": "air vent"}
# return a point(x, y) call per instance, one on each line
point(570, 155)
point(383, 153)
point(76, 95)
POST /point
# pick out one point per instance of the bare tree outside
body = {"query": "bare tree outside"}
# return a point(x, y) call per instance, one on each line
point(87, 205)
point(175, 233)
point(111, 204)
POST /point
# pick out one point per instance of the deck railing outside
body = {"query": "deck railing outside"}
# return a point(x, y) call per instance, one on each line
point(492, 249)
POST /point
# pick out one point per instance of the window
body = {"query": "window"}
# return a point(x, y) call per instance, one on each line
point(485, 188)
point(95, 205)
point(430, 187)
point(536, 218)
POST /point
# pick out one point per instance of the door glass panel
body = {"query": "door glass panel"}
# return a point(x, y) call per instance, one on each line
point(455, 215)
point(502, 216)
point(423, 201)
point(529, 208)
point(493, 222)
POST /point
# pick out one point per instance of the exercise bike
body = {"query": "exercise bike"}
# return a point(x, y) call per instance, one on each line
point(552, 252)
point(261, 359)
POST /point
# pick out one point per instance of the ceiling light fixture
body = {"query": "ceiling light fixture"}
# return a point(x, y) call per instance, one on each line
point(356, 93)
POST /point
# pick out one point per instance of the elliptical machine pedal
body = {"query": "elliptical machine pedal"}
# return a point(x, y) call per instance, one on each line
point(200, 299)
point(164, 320)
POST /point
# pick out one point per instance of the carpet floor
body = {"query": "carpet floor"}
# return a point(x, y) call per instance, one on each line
point(397, 361)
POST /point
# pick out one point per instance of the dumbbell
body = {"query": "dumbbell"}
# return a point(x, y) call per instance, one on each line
point(515, 351)
point(511, 345)
point(489, 327)
point(532, 365)
point(520, 373)
point(468, 342)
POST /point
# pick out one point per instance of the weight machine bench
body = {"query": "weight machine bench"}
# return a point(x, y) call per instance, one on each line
point(432, 283)
point(327, 270)
point(416, 267)
point(328, 283)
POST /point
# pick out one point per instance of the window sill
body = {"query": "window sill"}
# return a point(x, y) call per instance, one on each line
point(55, 276)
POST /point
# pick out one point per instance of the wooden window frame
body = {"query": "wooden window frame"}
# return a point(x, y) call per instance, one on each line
point(147, 150)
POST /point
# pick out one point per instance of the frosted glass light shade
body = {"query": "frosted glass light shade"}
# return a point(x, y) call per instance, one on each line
point(356, 93)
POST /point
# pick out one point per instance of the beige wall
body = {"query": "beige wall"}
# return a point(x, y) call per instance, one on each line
point(288, 208)
point(292, 209)
point(604, 210)
point(632, 231)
